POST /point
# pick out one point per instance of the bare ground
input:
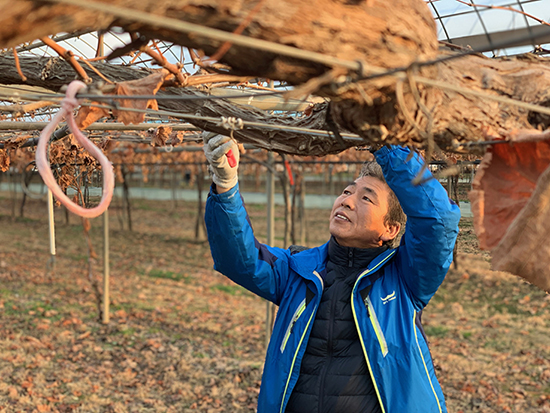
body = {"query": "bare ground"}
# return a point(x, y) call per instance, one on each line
point(183, 338)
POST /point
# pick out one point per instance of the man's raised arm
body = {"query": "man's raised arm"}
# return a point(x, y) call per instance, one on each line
point(237, 254)
point(426, 250)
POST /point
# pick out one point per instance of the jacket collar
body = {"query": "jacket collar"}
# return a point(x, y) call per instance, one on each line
point(307, 261)
point(382, 259)
point(350, 257)
point(315, 259)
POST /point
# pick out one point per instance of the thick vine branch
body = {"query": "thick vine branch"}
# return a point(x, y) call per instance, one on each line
point(381, 33)
point(54, 73)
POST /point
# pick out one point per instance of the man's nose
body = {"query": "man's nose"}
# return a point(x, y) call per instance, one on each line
point(347, 202)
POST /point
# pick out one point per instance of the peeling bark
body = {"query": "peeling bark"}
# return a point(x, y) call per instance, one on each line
point(525, 250)
point(385, 34)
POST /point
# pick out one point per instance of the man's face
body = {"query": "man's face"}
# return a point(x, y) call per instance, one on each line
point(357, 217)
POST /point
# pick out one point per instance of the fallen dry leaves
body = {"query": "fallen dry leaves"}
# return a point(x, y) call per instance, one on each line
point(182, 338)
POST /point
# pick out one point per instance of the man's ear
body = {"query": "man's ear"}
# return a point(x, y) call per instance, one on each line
point(391, 232)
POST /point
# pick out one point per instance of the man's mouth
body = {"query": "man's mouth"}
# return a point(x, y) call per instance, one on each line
point(342, 216)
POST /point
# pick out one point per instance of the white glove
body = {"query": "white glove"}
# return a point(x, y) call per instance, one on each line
point(215, 148)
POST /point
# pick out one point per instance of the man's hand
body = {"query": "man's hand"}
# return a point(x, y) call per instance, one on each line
point(216, 148)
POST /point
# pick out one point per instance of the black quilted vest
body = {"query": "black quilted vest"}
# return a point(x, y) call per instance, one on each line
point(334, 377)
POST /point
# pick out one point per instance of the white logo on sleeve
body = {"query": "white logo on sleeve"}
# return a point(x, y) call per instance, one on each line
point(388, 298)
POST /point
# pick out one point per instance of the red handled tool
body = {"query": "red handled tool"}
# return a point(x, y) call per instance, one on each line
point(231, 158)
point(289, 171)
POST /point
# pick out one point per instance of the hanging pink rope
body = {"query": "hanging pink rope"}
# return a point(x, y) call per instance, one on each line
point(42, 163)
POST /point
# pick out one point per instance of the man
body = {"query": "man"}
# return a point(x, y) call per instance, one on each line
point(347, 337)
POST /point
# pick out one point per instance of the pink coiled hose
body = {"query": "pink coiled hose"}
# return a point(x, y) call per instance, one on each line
point(68, 104)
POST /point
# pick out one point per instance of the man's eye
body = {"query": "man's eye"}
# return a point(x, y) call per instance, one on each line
point(346, 192)
point(366, 198)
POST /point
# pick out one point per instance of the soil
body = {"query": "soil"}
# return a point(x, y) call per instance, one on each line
point(183, 338)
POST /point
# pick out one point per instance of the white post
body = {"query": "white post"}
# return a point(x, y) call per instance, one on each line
point(105, 310)
point(51, 225)
point(270, 189)
point(105, 303)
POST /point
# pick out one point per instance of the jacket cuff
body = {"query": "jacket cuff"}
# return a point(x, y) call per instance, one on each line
point(226, 197)
point(385, 151)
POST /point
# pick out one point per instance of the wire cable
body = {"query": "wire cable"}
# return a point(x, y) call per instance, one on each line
point(318, 132)
point(217, 120)
point(52, 96)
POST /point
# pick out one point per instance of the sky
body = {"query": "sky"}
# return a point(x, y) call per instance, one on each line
point(460, 20)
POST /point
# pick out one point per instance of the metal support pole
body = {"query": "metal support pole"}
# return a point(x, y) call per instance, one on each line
point(14, 192)
point(100, 45)
point(270, 189)
point(106, 300)
point(51, 225)
point(302, 210)
point(330, 180)
point(173, 186)
point(105, 311)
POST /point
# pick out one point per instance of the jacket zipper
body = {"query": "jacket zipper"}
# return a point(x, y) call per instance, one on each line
point(376, 326)
point(300, 344)
point(365, 349)
point(294, 358)
point(359, 330)
point(293, 321)
point(424, 362)
point(330, 348)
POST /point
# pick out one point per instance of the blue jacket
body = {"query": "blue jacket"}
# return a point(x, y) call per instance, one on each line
point(385, 312)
